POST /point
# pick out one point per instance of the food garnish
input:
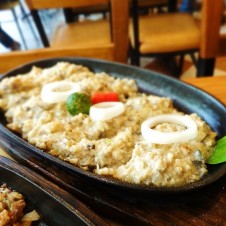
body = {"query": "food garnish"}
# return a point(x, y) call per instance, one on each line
point(104, 97)
point(59, 91)
point(78, 103)
point(31, 216)
point(106, 110)
point(219, 152)
point(158, 137)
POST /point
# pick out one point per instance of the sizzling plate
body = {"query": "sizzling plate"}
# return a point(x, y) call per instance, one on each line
point(185, 97)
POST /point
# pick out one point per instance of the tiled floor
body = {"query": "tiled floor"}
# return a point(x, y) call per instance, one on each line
point(52, 18)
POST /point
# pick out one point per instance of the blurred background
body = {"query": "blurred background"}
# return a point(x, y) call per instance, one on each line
point(52, 18)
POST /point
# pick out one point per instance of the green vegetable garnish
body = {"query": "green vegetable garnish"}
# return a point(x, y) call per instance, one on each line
point(219, 152)
point(78, 103)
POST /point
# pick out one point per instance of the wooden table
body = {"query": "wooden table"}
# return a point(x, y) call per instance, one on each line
point(203, 207)
point(213, 85)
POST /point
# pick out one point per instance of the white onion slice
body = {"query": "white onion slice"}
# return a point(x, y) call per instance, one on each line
point(106, 110)
point(31, 216)
point(158, 137)
point(59, 91)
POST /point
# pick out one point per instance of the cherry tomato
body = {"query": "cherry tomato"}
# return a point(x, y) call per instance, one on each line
point(104, 97)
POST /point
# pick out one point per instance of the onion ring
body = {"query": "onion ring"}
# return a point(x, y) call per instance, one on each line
point(59, 91)
point(106, 110)
point(158, 137)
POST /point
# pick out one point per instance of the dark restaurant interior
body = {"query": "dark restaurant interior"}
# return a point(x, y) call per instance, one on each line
point(174, 49)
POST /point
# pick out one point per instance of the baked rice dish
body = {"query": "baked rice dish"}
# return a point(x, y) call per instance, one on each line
point(117, 146)
point(12, 206)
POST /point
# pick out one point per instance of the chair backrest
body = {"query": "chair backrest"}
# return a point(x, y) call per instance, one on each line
point(212, 44)
point(119, 19)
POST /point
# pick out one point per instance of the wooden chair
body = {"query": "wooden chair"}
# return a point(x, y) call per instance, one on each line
point(87, 34)
point(179, 34)
point(168, 34)
point(212, 44)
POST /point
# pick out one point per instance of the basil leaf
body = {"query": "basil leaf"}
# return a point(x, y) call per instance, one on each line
point(219, 152)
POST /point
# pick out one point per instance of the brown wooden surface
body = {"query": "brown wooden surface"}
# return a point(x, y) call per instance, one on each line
point(165, 33)
point(157, 36)
point(120, 29)
point(41, 4)
point(210, 28)
point(222, 46)
point(213, 85)
point(15, 59)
